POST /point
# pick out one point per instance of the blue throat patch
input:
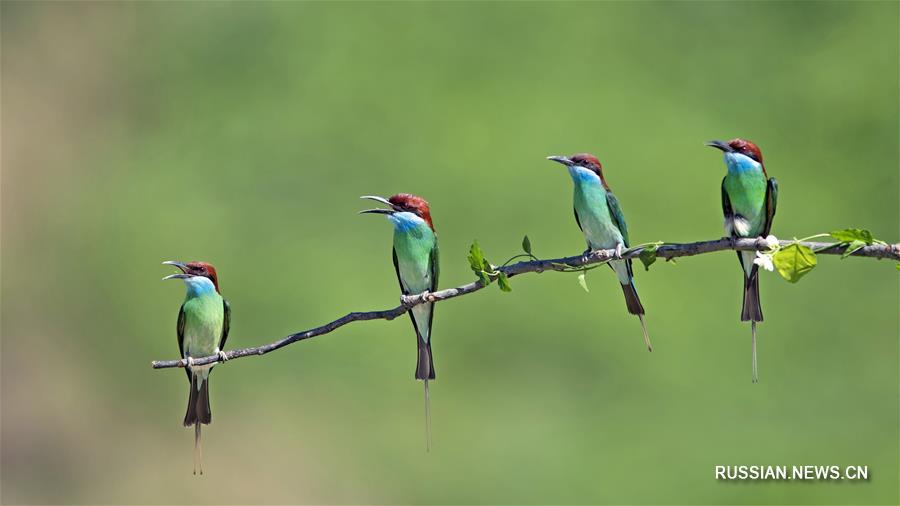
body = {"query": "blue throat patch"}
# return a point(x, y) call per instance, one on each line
point(404, 222)
point(738, 163)
point(581, 175)
point(199, 286)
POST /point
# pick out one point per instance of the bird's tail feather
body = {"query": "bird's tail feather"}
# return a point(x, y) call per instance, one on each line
point(198, 402)
point(198, 448)
point(424, 363)
point(632, 300)
point(198, 413)
point(427, 419)
point(753, 345)
point(751, 310)
point(646, 335)
point(425, 372)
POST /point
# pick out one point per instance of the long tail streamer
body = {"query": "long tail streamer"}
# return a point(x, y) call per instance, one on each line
point(755, 372)
point(198, 449)
point(646, 335)
point(427, 419)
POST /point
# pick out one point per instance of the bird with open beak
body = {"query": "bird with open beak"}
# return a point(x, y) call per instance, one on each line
point(600, 218)
point(203, 323)
point(415, 257)
point(749, 198)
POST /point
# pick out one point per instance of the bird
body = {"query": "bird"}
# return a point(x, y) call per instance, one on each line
point(415, 256)
point(600, 218)
point(749, 197)
point(204, 320)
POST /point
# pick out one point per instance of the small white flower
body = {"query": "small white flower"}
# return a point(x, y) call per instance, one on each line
point(765, 261)
point(771, 242)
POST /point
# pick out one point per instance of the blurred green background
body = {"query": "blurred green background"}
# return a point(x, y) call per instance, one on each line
point(243, 134)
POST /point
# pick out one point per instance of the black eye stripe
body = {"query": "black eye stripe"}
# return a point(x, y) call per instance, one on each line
point(749, 154)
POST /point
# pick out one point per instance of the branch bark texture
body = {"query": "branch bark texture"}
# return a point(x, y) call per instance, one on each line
point(666, 251)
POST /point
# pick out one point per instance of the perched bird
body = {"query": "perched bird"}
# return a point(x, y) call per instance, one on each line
point(416, 263)
point(203, 323)
point(749, 197)
point(600, 218)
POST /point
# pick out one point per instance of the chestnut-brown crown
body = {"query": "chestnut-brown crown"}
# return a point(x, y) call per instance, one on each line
point(590, 162)
point(412, 204)
point(746, 148)
point(202, 269)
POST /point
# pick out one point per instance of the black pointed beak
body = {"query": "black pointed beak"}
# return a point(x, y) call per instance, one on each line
point(560, 159)
point(180, 265)
point(378, 211)
point(720, 145)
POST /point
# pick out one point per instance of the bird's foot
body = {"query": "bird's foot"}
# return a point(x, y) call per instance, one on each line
point(187, 362)
point(586, 256)
point(222, 356)
point(620, 249)
point(409, 300)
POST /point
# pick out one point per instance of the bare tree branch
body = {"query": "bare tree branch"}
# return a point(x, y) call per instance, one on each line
point(666, 251)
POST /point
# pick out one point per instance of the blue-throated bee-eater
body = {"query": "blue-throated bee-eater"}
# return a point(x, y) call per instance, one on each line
point(749, 197)
point(415, 257)
point(600, 218)
point(203, 323)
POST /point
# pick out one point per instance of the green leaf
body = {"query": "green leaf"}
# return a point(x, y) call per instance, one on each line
point(583, 282)
point(503, 282)
point(648, 256)
point(853, 246)
point(794, 261)
point(526, 245)
point(486, 266)
point(476, 257)
point(485, 279)
point(853, 234)
point(898, 267)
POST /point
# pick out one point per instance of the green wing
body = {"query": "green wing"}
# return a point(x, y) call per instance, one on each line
point(179, 329)
point(771, 202)
point(226, 324)
point(403, 290)
point(618, 218)
point(727, 211)
point(435, 273)
point(577, 221)
point(435, 266)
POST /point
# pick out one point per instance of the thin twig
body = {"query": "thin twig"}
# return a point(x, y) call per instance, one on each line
point(667, 251)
